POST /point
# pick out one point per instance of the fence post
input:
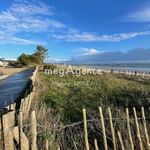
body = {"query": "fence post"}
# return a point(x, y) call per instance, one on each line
point(103, 128)
point(85, 130)
point(33, 131)
point(121, 141)
point(112, 128)
point(25, 142)
point(30, 101)
point(96, 145)
point(129, 129)
point(145, 128)
point(137, 129)
point(46, 144)
point(8, 121)
point(20, 131)
point(58, 147)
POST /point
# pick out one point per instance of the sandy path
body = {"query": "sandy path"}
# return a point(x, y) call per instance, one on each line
point(5, 72)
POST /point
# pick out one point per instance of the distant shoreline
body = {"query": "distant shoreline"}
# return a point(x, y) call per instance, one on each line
point(139, 67)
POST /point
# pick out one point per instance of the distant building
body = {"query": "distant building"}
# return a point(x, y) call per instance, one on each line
point(3, 63)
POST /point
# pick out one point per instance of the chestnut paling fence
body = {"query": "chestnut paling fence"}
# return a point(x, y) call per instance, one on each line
point(116, 135)
point(11, 132)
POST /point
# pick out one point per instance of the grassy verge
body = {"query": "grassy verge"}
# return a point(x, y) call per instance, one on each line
point(59, 103)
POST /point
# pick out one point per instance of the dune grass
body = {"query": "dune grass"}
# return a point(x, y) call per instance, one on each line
point(59, 102)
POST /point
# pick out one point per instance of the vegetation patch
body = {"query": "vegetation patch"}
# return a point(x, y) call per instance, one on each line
point(60, 101)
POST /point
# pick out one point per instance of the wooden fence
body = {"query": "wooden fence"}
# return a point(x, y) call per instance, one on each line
point(12, 132)
point(116, 135)
point(13, 136)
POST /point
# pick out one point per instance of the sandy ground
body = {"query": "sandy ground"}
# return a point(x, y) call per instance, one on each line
point(8, 71)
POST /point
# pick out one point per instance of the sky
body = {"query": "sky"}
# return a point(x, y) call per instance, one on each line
point(75, 29)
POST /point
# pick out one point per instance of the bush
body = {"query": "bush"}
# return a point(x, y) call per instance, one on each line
point(49, 66)
point(24, 59)
point(16, 64)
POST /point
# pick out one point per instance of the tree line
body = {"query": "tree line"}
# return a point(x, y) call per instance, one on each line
point(36, 58)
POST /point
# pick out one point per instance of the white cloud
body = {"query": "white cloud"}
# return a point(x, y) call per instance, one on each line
point(35, 17)
point(12, 59)
point(91, 37)
point(26, 16)
point(31, 25)
point(56, 60)
point(90, 51)
point(130, 56)
point(141, 15)
point(7, 17)
point(6, 38)
point(27, 8)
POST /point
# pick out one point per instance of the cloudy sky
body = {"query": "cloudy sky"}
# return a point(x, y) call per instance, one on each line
point(76, 30)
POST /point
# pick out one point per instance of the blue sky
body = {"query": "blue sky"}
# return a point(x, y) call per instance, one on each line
point(73, 28)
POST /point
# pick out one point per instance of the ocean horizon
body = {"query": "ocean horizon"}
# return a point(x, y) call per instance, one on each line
point(139, 67)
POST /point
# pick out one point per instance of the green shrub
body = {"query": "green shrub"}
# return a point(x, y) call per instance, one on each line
point(50, 66)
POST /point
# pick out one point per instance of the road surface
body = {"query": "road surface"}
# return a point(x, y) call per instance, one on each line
point(12, 87)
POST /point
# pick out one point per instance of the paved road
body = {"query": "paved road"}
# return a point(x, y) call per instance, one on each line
point(12, 87)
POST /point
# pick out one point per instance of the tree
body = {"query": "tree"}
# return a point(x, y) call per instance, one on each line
point(36, 58)
point(24, 59)
point(40, 54)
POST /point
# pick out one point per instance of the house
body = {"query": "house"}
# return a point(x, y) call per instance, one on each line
point(3, 63)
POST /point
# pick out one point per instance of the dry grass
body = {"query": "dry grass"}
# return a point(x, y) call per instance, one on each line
point(10, 71)
point(70, 137)
point(47, 120)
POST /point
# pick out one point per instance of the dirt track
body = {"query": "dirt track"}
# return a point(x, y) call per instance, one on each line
point(9, 71)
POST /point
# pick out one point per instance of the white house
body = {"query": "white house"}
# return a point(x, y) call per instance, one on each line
point(4, 63)
point(1, 63)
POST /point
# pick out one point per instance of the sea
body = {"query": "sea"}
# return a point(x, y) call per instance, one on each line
point(138, 67)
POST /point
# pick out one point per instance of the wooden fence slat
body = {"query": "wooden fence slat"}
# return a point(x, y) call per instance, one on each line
point(137, 129)
point(8, 122)
point(112, 129)
point(103, 128)
point(46, 144)
point(96, 145)
point(33, 131)
point(29, 102)
point(129, 129)
point(20, 131)
point(120, 140)
point(25, 141)
point(85, 130)
point(145, 128)
point(58, 147)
